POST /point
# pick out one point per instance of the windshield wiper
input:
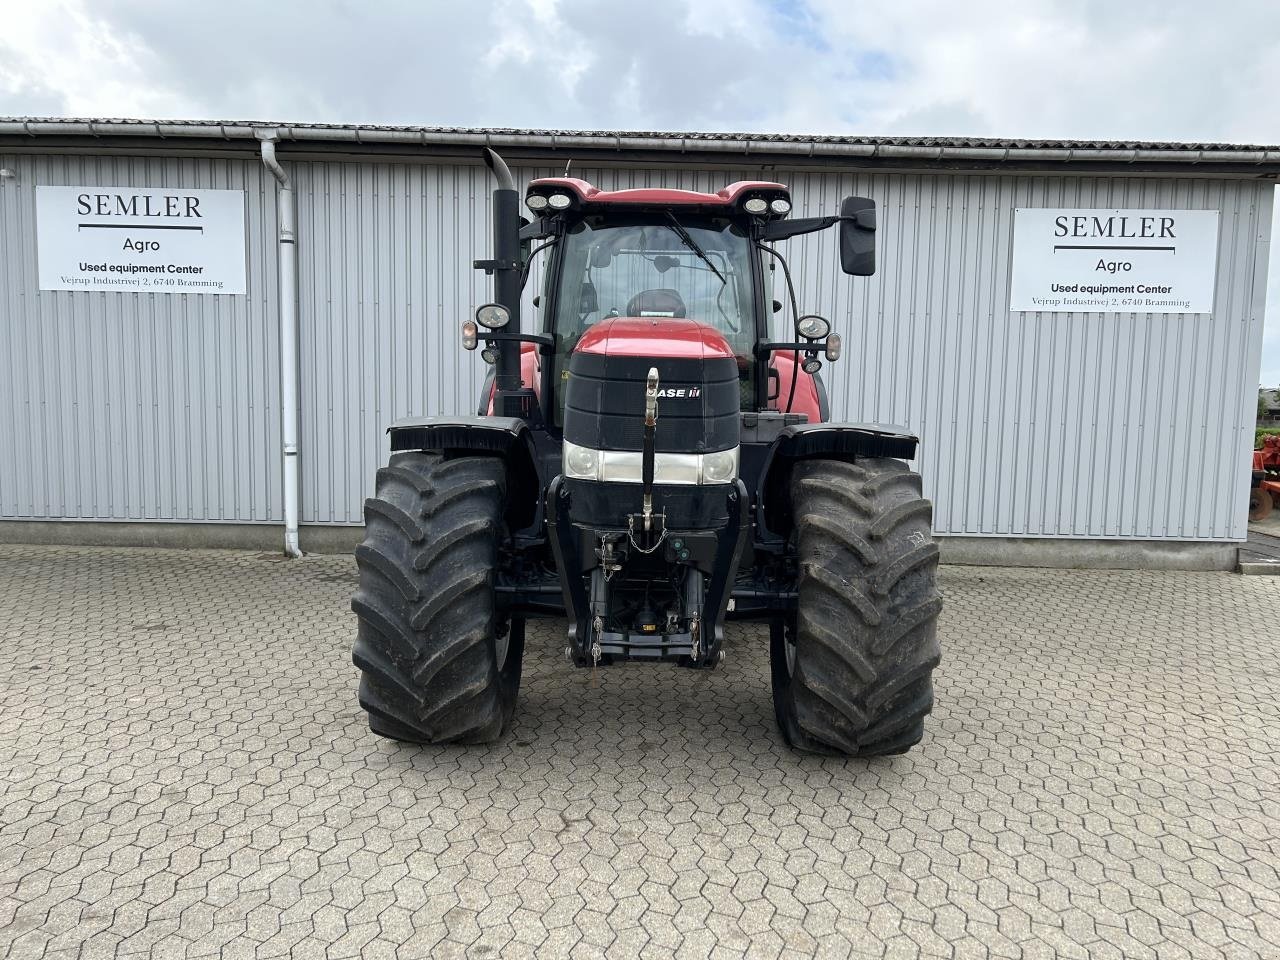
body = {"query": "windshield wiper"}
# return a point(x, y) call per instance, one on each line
point(678, 229)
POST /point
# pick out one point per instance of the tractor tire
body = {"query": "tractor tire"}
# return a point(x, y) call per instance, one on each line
point(1260, 504)
point(853, 672)
point(437, 665)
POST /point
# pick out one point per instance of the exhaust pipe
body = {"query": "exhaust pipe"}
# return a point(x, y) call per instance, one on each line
point(500, 169)
point(505, 267)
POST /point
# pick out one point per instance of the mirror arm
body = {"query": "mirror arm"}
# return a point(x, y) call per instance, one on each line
point(785, 229)
point(528, 263)
point(537, 229)
point(795, 312)
point(766, 347)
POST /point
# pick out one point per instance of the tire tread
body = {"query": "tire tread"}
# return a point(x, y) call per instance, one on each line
point(425, 603)
point(865, 634)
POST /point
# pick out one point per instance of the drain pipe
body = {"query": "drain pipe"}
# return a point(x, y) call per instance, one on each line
point(288, 259)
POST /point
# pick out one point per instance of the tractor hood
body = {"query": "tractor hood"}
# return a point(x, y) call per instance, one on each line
point(699, 396)
point(674, 338)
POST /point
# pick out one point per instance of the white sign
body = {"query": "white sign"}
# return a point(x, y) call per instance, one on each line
point(153, 241)
point(1114, 261)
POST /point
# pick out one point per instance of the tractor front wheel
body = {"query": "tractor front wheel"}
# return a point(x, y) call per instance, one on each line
point(853, 673)
point(438, 664)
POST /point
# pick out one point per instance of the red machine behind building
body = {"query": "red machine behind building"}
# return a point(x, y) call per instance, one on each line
point(1265, 489)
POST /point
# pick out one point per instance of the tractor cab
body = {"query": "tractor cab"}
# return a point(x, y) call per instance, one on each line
point(662, 254)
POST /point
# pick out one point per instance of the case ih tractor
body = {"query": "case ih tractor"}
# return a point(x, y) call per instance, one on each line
point(649, 465)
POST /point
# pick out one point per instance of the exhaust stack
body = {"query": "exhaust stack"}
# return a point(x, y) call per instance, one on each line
point(505, 267)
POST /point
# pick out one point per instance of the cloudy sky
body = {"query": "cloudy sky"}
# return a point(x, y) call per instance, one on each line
point(1116, 69)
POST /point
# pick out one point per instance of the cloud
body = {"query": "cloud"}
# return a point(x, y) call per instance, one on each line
point(1142, 69)
point(58, 58)
point(1054, 68)
point(1163, 70)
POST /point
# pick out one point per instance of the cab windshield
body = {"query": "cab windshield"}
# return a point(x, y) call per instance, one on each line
point(648, 269)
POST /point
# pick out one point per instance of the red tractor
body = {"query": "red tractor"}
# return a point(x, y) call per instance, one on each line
point(1264, 491)
point(649, 465)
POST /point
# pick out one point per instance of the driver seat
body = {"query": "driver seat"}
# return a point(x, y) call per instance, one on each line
point(656, 303)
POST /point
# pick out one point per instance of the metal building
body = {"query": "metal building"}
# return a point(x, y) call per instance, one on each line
point(1047, 436)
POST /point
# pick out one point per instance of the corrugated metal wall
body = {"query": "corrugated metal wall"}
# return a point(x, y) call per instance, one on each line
point(1075, 425)
point(137, 406)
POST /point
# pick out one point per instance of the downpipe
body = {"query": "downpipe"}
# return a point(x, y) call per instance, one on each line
point(287, 254)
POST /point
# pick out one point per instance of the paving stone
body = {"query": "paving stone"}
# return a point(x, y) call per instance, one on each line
point(184, 772)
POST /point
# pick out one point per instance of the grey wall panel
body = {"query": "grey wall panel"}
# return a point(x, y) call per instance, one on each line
point(385, 280)
point(137, 406)
point(1069, 425)
point(1077, 425)
point(129, 406)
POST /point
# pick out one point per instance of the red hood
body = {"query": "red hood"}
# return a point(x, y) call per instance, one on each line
point(673, 337)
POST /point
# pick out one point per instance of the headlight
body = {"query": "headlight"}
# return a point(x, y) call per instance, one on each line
point(756, 205)
point(581, 463)
point(669, 469)
point(780, 206)
point(813, 327)
point(489, 355)
point(811, 366)
point(720, 467)
point(559, 201)
point(536, 202)
point(493, 315)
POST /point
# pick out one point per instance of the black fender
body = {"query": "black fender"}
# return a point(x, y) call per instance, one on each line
point(824, 402)
point(507, 438)
point(486, 393)
point(848, 442)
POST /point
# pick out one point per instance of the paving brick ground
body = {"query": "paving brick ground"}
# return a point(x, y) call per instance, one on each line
point(184, 771)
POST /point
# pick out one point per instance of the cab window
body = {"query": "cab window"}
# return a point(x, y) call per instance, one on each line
point(646, 269)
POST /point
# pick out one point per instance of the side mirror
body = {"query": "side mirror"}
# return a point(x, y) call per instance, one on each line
point(858, 236)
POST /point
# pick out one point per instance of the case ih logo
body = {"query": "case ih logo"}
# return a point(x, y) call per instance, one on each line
point(679, 393)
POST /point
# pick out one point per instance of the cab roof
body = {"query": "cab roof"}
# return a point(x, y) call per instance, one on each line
point(587, 195)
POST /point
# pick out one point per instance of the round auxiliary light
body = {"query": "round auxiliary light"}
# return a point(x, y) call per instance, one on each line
point(536, 202)
point(813, 327)
point(489, 355)
point(559, 201)
point(780, 206)
point(756, 205)
point(812, 365)
point(493, 315)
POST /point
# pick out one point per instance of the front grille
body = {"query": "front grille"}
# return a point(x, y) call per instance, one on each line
point(604, 403)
